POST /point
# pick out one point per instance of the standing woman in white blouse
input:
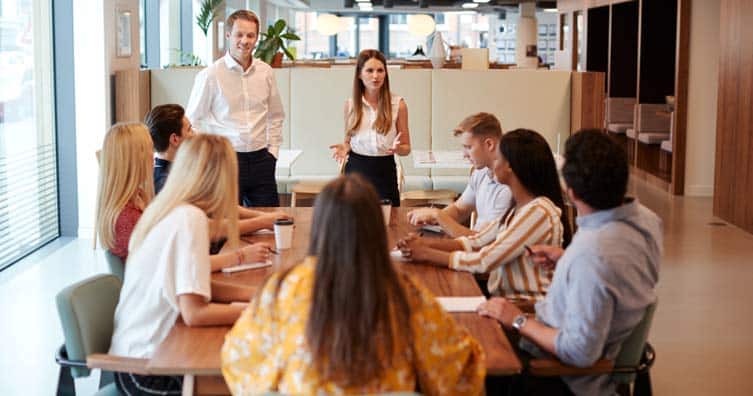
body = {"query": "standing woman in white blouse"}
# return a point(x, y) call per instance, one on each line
point(376, 127)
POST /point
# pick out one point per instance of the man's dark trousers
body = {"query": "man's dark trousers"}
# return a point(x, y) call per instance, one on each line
point(257, 185)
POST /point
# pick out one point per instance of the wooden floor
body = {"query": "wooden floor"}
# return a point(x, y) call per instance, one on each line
point(702, 332)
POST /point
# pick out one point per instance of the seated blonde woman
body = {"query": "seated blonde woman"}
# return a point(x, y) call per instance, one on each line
point(526, 164)
point(345, 321)
point(168, 270)
point(126, 187)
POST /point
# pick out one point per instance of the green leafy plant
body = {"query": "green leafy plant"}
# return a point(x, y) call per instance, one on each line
point(274, 40)
point(207, 14)
point(187, 58)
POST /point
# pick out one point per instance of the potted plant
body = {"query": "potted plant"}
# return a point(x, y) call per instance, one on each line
point(273, 41)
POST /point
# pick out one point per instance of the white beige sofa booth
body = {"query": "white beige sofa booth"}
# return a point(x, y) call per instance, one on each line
point(437, 101)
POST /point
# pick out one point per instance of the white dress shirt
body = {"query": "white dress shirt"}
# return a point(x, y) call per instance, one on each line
point(243, 106)
point(366, 140)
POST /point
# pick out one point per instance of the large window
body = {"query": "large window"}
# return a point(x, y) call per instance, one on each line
point(313, 45)
point(403, 43)
point(28, 171)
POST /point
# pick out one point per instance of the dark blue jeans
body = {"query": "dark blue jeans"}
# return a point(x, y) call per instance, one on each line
point(257, 185)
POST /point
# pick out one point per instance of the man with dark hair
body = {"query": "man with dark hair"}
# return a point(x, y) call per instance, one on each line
point(237, 97)
point(169, 127)
point(479, 134)
point(604, 281)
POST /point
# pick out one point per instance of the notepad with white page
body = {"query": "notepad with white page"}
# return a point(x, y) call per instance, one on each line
point(245, 267)
point(461, 304)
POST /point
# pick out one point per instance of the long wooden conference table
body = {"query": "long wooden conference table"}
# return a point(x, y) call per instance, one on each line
point(194, 352)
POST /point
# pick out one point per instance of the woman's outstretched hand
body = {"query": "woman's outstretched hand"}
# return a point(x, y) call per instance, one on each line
point(340, 151)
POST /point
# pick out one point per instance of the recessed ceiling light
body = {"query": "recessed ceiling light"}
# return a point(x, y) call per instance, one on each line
point(470, 5)
point(481, 1)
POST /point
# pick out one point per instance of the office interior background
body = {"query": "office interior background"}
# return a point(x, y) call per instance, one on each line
point(59, 62)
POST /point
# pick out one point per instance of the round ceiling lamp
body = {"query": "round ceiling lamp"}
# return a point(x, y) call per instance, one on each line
point(328, 24)
point(421, 24)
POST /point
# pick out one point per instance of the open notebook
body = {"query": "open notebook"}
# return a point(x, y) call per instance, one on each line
point(461, 304)
point(245, 267)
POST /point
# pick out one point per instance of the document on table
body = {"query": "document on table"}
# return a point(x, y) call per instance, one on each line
point(461, 304)
point(245, 267)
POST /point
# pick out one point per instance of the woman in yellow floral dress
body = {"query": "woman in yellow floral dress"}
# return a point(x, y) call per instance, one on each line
point(345, 321)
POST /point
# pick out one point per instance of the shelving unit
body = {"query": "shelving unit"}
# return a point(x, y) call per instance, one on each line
point(642, 45)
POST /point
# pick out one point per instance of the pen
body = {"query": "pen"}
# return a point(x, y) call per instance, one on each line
point(273, 251)
point(528, 249)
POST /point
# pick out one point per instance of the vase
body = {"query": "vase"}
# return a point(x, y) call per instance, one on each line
point(277, 60)
point(437, 53)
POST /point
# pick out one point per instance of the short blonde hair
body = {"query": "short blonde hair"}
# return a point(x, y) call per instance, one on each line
point(246, 15)
point(205, 175)
point(125, 175)
point(480, 124)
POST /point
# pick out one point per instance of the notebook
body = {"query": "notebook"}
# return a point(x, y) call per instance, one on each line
point(246, 267)
point(461, 304)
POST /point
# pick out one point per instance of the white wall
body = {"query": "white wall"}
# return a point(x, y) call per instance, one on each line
point(95, 55)
point(702, 94)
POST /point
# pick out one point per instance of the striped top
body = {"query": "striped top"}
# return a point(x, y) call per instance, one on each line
point(501, 250)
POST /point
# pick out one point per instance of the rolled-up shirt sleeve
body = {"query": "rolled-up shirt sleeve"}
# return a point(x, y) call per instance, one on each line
point(526, 228)
point(583, 334)
point(200, 101)
point(275, 118)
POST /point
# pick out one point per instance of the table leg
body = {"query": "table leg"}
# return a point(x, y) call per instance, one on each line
point(188, 382)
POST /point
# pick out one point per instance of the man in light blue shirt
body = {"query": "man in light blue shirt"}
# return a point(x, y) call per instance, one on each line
point(606, 278)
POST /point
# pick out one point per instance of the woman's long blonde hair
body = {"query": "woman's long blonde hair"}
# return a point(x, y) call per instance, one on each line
point(383, 121)
point(205, 174)
point(125, 175)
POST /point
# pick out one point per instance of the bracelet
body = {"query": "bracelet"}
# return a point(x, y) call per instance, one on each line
point(239, 253)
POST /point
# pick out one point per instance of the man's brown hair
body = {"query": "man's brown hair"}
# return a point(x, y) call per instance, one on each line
point(480, 124)
point(242, 14)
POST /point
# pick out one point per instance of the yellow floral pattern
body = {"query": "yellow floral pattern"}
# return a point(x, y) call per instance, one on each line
point(265, 350)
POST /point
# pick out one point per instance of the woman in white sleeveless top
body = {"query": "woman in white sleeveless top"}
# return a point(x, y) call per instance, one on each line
point(376, 125)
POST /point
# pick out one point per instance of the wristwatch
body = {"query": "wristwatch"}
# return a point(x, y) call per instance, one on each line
point(519, 322)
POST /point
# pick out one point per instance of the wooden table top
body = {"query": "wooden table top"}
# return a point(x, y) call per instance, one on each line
point(196, 350)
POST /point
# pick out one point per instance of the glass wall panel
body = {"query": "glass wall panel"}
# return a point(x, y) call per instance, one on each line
point(28, 167)
point(313, 45)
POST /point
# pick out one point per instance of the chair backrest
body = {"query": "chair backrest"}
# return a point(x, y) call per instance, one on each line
point(117, 267)
point(632, 348)
point(647, 119)
point(86, 310)
point(619, 110)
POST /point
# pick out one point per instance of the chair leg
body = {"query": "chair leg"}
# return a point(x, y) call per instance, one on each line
point(623, 389)
point(642, 385)
point(106, 378)
point(66, 385)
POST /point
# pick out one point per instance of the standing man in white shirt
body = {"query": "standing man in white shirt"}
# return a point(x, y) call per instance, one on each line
point(237, 97)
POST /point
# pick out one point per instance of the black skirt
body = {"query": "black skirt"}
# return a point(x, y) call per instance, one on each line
point(380, 171)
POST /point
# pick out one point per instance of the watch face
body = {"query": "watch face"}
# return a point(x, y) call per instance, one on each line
point(519, 321)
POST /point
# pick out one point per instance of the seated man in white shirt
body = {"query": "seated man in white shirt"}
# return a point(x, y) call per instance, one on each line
point(237, 97)
point(479, 135)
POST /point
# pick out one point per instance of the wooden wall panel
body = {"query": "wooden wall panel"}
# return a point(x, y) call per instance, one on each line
point(681, 97)
point(132, 95)
point(587, 100)
point(733, 181)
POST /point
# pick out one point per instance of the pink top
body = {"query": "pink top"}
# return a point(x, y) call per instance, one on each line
point(123, 228)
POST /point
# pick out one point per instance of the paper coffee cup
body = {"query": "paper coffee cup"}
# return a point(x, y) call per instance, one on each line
point(283, 233)
point(386, 210)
